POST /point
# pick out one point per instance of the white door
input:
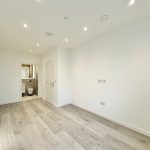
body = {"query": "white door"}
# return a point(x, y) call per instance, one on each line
point(50, 81)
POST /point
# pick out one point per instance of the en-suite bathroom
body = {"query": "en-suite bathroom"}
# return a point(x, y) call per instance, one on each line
point(29, 81)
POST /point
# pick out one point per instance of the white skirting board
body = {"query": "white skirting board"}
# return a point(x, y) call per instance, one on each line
point(141, 131)
point(9, 102)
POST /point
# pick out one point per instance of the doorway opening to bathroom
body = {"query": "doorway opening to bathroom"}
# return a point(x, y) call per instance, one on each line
point(29, 75)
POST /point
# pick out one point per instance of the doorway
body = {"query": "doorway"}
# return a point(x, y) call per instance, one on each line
point(50, 83)
point(29, 74)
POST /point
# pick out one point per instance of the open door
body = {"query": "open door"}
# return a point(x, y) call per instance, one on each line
point(50, 81)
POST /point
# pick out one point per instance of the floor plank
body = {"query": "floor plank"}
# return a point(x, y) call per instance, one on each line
point(38, 125)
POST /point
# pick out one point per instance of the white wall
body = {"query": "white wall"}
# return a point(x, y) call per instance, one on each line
point(10, 75)
point(122, 58)
point(63, 77)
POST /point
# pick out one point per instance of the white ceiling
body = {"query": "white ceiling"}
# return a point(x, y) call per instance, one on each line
point(47, 16)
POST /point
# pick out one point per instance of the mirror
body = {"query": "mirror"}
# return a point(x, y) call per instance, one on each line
point(27, 71)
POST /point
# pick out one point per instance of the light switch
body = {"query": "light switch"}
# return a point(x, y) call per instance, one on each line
point(100, 81)
point(104, 81)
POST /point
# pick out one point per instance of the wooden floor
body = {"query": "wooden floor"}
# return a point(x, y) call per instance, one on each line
point(37, 125)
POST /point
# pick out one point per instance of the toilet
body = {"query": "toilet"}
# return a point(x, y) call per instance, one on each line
point(30, 91)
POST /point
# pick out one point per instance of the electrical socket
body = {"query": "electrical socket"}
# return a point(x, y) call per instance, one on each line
point(102, 103)
point(102, 81)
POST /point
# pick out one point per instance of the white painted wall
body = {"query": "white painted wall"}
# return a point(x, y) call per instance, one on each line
point(122, 58)
point(63, 77)
point(10, 74)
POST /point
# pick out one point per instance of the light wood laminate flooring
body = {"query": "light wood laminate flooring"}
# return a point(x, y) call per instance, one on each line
point(38, 125)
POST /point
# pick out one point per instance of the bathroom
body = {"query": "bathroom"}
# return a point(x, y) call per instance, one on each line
point(29, 75)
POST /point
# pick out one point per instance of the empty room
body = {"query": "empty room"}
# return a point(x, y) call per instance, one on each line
point(74, 74)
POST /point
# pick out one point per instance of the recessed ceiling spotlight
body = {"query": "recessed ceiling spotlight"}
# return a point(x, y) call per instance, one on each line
point(38, 1)
point(37, 44)
point(25, 25)
point(132, 2)
point(31, 50)
point(66, 40)
point(104, 18)
point(65, 18)
point(49, 34)
point(85, 28)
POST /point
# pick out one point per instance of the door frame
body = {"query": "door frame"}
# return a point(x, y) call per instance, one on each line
point(20, 82)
